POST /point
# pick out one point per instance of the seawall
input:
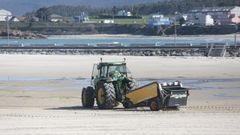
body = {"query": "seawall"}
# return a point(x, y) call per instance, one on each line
point(218, 51)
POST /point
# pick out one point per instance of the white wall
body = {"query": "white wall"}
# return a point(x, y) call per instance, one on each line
point(4, 14)
point(209, 20)
point(200, 19)
point(236, 12)
point(219, 17)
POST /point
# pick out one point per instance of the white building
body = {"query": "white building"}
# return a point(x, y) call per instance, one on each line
point(220, 16)
point(124, 13)
point(107, 21)
point(201, 19)
point(158, 20)
point(14, 19)
point(83, 17)
point(4, 15)
point(56, 18)
point(207, 19)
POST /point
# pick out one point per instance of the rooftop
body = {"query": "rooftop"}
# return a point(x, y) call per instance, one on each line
point(214, 9)
point(55, 16)
point(5, 12)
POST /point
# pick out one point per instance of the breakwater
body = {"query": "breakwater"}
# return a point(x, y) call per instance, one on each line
point(141, 50)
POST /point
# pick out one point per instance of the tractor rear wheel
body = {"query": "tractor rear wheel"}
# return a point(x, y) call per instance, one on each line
point(155, 104)
point(88, 97)
point(106, 96)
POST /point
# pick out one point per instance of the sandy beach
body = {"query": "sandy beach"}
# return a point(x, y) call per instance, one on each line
point(41, 94)
point(79, 66)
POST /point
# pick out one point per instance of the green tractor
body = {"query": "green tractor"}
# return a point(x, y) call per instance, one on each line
point(111, 85)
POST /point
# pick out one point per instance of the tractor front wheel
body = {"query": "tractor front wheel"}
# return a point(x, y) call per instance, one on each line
point(88, 97)
point(155, 104)
point(106, 96)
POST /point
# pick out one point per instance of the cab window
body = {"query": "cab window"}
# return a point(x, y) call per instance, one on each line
point(103, 71)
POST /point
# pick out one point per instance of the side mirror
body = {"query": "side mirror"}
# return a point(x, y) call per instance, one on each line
point(92, 77)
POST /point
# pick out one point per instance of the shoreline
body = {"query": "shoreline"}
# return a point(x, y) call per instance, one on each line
point(116, 48)
point(123, 36)
point(129, 36)
point(80, 66)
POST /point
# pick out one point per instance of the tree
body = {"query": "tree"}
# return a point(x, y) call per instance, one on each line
point(43, 14)
point(114, 10)
point(166, 7)
point(182, 21)
point(134, 11)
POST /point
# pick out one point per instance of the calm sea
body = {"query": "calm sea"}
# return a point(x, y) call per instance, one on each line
point(125, 40)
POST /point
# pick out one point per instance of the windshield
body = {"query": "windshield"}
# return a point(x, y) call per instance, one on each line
point(119, 68)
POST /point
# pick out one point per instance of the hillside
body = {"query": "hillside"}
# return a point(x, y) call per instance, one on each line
point(19, 7)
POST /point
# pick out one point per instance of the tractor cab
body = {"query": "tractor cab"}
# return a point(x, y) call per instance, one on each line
point(114, 73)
point(110, 71)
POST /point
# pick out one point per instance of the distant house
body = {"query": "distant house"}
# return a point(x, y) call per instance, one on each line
point(201, 19)
point(34, 19)
point(158, 20)
point(180, 16)
point(55, 18)
point(219, 15)
point(4, 15)
point(22, 18)
point(83, 17)
point(14, 19)
point(107, 21)
point(124, 13)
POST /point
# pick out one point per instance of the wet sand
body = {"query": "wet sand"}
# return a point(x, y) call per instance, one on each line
point(42, 95)
point(80, 66)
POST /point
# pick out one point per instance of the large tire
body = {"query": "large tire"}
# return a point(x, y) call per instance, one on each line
point(88, 97)
point(106, 96)
point(155, 104)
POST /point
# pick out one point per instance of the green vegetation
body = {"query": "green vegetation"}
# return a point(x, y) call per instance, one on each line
point(124, 21)
point(43, 14)
point(140, 12)
point(182, 6)
point(134, 25)
point(163, 7)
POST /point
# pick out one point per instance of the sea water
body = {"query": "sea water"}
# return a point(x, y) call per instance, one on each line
point(125, 40)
